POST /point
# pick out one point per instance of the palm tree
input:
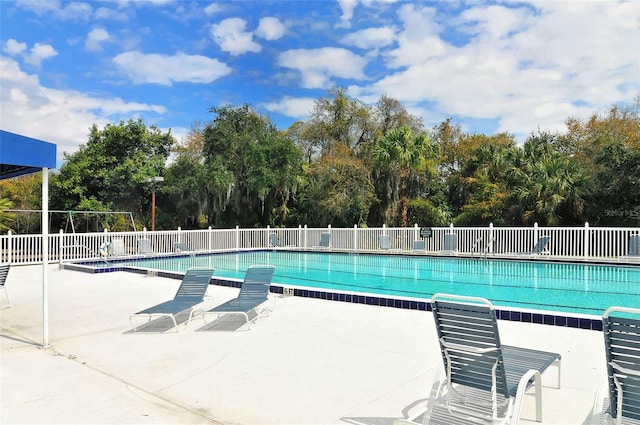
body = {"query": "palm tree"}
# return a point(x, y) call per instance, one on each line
point(5, 216)
point(548, 187)
point(399, 152)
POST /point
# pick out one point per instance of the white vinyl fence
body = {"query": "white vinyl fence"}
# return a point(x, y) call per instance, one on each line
point(590, 243)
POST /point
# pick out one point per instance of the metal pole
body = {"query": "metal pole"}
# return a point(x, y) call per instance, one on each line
point(45, 257)
point(153, 207)
point(153, 181)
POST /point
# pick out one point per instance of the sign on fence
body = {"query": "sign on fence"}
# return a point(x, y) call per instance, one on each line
point(425, 232)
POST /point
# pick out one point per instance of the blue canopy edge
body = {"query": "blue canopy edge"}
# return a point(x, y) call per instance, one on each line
point(21, 155)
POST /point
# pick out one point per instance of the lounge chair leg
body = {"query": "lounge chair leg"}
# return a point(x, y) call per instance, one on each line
point(8, 305)
point(132, 324)
point(175, 324)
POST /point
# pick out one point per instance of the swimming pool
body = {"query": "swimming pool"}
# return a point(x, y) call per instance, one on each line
point(524, 285)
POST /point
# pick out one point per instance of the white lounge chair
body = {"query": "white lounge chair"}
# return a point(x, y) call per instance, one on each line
point(117, 247)
point(634, 246)
point(325, 241)
point(541, 247)
point(254, 293)
point(144, 246)
point(4, 272)
point(485, 381)
point(450, 243)
point(190, 293)
point(182, 247)
point(618, 399)
point(633, 250)
point(385, 242)
point(274, 240)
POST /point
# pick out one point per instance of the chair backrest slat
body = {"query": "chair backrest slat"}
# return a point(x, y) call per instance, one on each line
point(274, 240)
point(325, 239)
point(256, 283)
point(622, 344)
point(385, 242)
point(541, 245)
point(194, 284)
point(4, 271)
point(634, 245)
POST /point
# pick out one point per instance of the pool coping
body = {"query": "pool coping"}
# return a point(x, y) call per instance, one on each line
point(543, 317)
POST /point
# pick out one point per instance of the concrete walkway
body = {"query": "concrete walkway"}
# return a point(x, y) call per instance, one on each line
point(309, 362)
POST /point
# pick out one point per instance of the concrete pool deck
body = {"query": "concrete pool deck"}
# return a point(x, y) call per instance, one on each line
point(310, 362)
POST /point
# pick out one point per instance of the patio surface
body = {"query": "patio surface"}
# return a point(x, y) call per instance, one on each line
point(310, 362)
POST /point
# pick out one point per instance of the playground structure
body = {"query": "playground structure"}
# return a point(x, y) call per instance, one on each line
point(70, 224)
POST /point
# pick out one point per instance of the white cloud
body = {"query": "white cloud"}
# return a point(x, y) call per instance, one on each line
point(347, 7)
point(40, 52)
point(294, 107)
point(419, 39)
point(95, 38)
point(270, 28)
point(231, 36)
point(165, 70)
point(60, 116)
point(524, 69)
point(14, 47)
point(212, 9)
point(318, 66)
point(370, 38)
point(107, 13)
point(67, 11)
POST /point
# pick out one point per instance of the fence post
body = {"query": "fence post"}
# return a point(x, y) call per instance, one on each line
point(490, 238)
point(237, 237)
point(179, 234)
point(535, 233)
point(305, 236)
point(586, 240)
point(355, 238)
point(10, 246)
point(60, 250)
point(210, 233)
point(268, 233)
point(416, 233)
point(299, 234)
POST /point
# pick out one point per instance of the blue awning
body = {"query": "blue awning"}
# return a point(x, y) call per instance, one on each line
point(23, 155)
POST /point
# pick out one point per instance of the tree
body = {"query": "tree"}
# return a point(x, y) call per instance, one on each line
point(186, 187)
point(615, 199)
point(253, 166)
point(6, 217)
point(550, 186)
point(607, 148)
point(339, 120)
point(400, 152)
point(110, 171)
point(340, 192)
point(483, 183)
point(391, 114)
point(25, 193)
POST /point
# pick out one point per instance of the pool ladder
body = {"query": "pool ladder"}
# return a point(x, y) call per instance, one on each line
point(484, 250)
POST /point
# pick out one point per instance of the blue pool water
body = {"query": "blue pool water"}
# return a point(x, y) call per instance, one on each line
point(540, 285)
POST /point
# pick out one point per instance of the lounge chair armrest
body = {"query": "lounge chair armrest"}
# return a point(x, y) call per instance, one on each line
point(625, 370)
point(522, 388)
point(466, 348)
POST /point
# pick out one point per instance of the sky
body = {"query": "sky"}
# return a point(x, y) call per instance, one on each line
point(492, 66)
